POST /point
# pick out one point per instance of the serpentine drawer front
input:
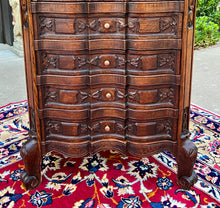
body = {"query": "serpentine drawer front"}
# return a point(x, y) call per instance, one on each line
point(108, 75)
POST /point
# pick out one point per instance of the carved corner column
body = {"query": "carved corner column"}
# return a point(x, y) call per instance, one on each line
point(187, 151)
point(31, 150)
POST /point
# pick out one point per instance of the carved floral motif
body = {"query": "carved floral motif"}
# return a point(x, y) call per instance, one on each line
point(46, 24)
point(83, 128)
point(53, 127)
point(134, 62)
point(82, 96)
point(164, 126)
point(97, 128)
point(48, 61)
point(166, 61)
point(163, 61)
point(134, 96)
point(166, 95)
point(97, 95)
point(80, 25)
point(169, 23)
point(50, 95)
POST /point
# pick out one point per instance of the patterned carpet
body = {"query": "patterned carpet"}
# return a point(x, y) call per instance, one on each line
point(109, 180)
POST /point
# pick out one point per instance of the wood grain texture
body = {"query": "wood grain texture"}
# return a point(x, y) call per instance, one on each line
point(108, 75)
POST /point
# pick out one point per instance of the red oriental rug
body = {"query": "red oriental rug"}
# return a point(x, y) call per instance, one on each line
point(109, 180)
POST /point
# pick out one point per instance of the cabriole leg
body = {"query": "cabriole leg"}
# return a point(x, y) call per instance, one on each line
point(187, 154)
point(30, 154)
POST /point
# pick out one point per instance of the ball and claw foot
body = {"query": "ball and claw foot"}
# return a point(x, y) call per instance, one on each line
point(187, 182)
point(30, 182)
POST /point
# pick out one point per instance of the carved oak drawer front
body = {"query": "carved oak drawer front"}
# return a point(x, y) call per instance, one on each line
point(153, 62)
point(151, 98)
point(62, 63)
point(152, 130)
point(108, 63)
point(155, 26)
point(64, 98)
point(66, 131)
point(58, 27)
point(107, 129)
point(69, 98)
point(109, 97)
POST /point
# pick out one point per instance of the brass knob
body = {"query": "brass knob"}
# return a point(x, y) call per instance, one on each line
point(106, 62)
point(107, 128)
point(108, 95)
point(106, 25)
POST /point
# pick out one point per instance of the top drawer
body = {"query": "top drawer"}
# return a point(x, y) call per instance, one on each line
point(91, 20)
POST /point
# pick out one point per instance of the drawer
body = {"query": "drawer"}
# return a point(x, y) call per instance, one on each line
point(71, 81)
point(153, 44)
point(64, 98)
point(65, 131)
point(108, 97)
point(61, 63)
point(107, 63)
point(110, 80)
point(139, 82)
point(159, 113)
point(155, 7)
point(153, 62)
point(70, 46)
point(107, 27)
point(64, 114)
point(151, 98)
point(155, 26)
point(100, 113)
point(58, 7)
point(107, 128)
point(69, 98)
point(57, 26)
point(152, 130)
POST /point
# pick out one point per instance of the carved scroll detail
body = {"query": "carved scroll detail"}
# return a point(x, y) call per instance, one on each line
point(24, 14)
point(185, 124)
point(190, 21)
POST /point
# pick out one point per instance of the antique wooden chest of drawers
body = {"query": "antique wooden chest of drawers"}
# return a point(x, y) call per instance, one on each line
point(108, 75)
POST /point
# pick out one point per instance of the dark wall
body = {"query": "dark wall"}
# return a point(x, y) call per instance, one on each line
point(6, 27)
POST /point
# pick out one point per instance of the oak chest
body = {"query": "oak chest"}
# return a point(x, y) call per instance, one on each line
point(108, 75)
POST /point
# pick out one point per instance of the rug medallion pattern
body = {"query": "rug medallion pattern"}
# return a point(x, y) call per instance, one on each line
point(108, 179)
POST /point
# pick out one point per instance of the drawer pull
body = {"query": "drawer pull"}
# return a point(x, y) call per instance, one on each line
point(107, 25)
point(107, 128)
point(106, 62)
point(108, 95)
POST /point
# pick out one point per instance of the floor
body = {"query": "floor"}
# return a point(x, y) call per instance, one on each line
point(205, 83)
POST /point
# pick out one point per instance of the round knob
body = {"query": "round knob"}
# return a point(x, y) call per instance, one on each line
point(106, 62)
point(108, 95)
point(107, 128)
point(106, 25)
